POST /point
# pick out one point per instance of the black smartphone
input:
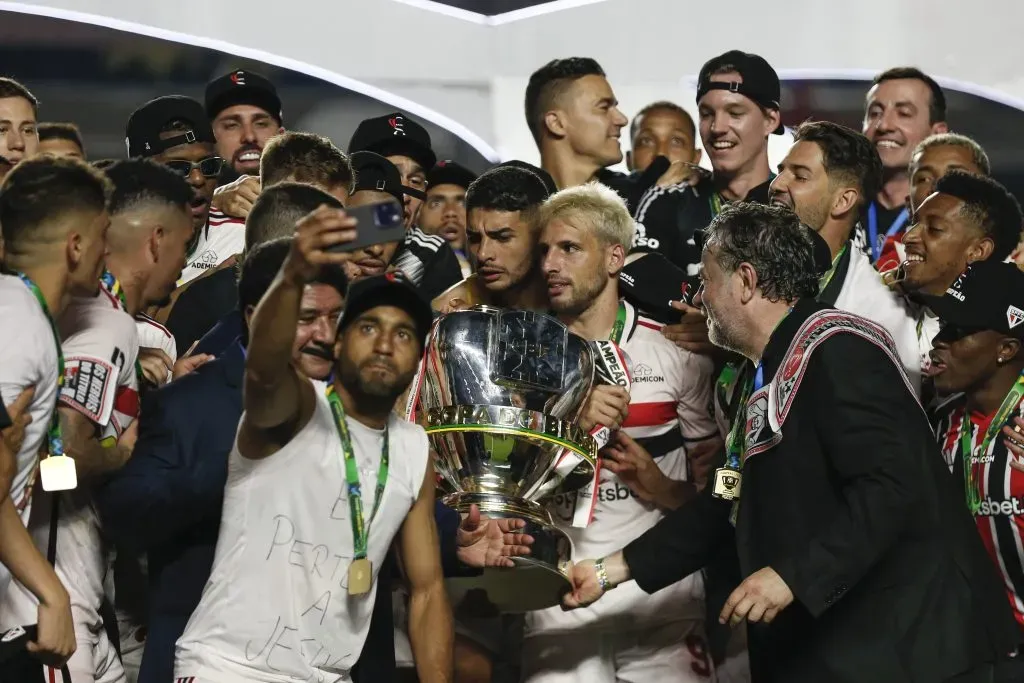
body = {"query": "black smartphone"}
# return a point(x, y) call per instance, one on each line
point(376, 224)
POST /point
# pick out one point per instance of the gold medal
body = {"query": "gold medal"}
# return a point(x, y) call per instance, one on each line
point(727, 483)
point(360, 576)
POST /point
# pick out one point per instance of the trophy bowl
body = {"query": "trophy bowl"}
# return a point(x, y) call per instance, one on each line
point(500, 394)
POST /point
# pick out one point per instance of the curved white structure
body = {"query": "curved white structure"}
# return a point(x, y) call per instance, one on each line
point(468, 75)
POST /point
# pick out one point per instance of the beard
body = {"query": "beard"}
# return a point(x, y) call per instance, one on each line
point(380, 385)
point(584, 293)
point(723, 334)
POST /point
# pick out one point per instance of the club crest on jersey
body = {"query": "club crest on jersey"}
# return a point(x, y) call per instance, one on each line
point(1014, 316)
point(397, 125)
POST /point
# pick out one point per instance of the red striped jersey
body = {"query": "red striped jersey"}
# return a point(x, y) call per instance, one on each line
point(1000, 519)
point(222, 238)
point(669, 407)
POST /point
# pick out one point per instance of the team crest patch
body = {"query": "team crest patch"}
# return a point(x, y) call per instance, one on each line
point(1014, 316)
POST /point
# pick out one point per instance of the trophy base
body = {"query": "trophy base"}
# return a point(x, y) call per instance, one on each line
point(536, 582)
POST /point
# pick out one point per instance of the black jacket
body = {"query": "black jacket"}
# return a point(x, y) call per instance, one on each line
point(668, 217)
point(858, 513)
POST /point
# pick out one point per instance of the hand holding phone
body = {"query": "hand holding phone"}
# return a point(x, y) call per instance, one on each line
point(375, 224)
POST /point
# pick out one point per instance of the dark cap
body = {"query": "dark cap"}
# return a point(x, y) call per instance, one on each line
point(989, 295)
point(374, 172)
point(390, 289)
point(242, 87)
point(394, 134)
point(142, 135)
point(448, 172)
point(760, 82)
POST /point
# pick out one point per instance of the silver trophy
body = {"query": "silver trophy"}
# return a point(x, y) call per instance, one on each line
point(500, 396)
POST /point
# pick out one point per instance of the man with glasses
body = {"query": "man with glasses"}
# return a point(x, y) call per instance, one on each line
point(175, 131)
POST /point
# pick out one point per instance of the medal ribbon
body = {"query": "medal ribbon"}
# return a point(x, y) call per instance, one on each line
point(737, 446)
point(620, 323)
point(715, 202)
point(53, 434)
point(873, 241)
point(827, 277)
point(113, 286)
point(360, 525)
point(972, 490)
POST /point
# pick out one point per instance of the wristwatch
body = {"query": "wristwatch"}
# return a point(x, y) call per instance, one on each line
point(602, 576)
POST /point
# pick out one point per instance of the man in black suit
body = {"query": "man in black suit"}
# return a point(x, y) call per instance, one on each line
point(860, 559)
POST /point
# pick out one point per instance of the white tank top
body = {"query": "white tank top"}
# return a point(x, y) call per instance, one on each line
point(276, 607)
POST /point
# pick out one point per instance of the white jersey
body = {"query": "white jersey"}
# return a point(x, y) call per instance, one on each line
point(276, 607)
point(153, 335)
point(221, 238)
point(28, 357)
point(669, 406)
point(100, 348)
point(864, 294)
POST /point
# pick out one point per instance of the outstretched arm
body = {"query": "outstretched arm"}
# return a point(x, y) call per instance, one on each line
point(276, 397)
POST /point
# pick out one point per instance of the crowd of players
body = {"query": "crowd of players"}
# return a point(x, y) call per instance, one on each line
point(140, 295)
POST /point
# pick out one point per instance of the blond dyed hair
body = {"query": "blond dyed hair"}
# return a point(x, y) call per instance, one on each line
point(595, 206)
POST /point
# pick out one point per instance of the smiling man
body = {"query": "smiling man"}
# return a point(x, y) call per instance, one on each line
point(245, 112)
point(932, 159)
point(738, 103)
point(969, 218)
point(902, 108)
point(827, 177)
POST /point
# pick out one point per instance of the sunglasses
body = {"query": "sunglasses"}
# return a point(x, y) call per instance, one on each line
point(210, 167)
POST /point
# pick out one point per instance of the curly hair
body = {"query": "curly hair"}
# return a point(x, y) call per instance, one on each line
point(772, 240)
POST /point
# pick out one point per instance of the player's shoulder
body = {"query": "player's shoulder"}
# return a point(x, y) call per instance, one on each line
point(98, 318)
point(216, 217)
point(645, 335)
point(17, 300)
point(152, 325)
